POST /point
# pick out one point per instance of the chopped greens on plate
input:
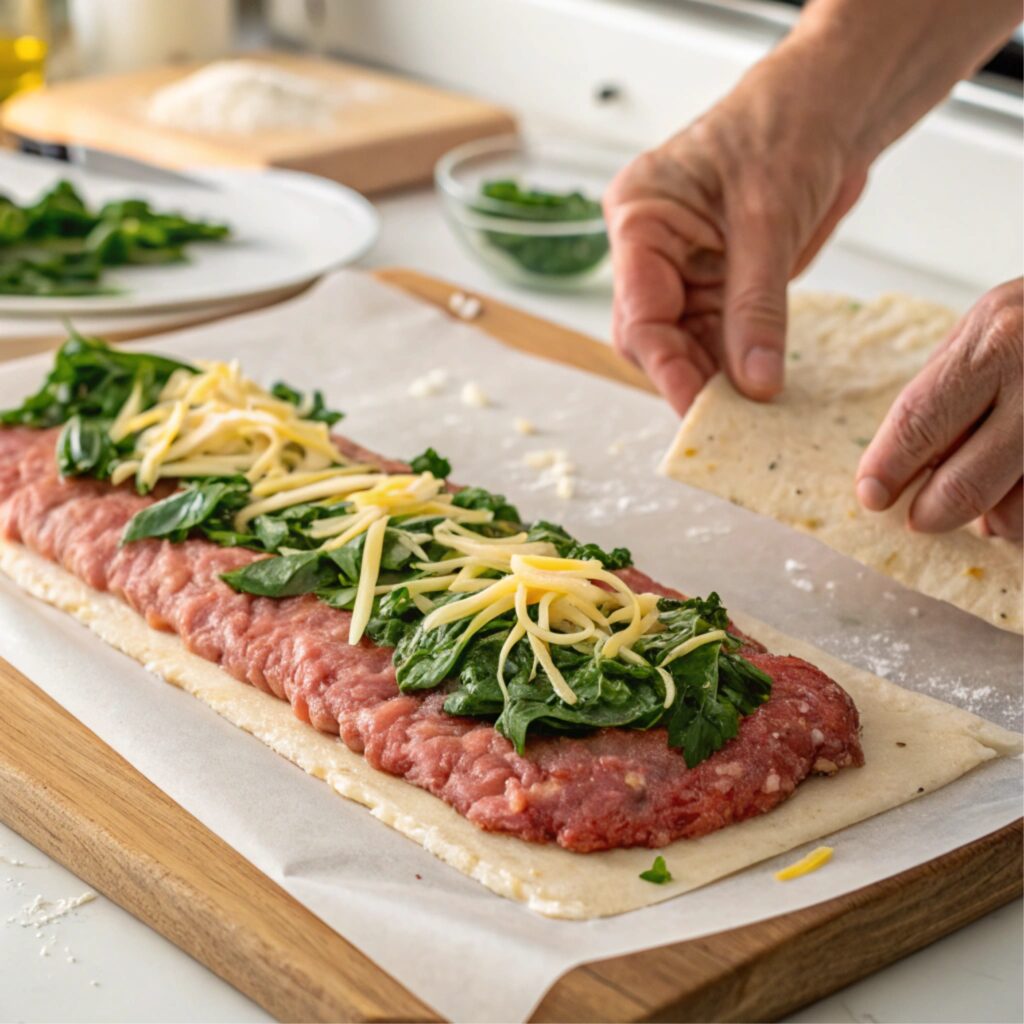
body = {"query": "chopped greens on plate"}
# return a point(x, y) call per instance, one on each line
point(60, 246)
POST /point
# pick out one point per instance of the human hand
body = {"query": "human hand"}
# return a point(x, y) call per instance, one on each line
point(708, 229)
point(962, 415)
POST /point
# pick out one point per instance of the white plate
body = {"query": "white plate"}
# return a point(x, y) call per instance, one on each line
point(287, 229)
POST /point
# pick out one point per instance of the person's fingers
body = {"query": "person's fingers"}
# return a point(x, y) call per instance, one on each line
point(755, 308)
point(701, 300)
point(650, 302)
point(684, 237)
point(704, 268)
point(675, 363)
point(706, 330)
point(1007, 518)
point(974, 479)
point(648, 289)
point(931, 413)
point(849, 193)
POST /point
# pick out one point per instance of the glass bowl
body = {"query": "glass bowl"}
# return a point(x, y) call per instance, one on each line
point(542, 244)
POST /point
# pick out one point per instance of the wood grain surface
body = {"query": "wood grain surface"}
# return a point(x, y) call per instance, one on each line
point(389, 132)
point(86, 807)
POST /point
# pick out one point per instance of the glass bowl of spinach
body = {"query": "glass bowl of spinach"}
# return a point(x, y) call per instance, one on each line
point(530, 212)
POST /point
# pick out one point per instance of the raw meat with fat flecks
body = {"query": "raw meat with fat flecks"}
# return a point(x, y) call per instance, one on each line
point(612, 788)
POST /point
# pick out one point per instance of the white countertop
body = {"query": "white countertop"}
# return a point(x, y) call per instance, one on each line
point(100, 964)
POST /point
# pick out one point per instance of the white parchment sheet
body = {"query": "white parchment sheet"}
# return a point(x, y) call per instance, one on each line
point(466, 952)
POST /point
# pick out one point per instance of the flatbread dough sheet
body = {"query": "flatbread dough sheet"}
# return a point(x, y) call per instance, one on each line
point(913, 745)
point(795, 458)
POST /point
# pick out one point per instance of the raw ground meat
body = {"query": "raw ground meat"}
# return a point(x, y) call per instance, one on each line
point(613, 788)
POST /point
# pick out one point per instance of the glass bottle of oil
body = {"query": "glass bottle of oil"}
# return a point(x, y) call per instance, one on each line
point(23, 45)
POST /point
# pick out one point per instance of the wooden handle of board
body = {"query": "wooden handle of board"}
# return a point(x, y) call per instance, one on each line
point(521, 331)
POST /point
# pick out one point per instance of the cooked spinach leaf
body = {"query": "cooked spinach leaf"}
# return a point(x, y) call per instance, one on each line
point(330, 573)
point(84, 447)
point(658, 872)
point(426, 658)
point(313, 406)
point(284, 575)
point(714, 686)
point(92, 380)
point(430, 462)
point(569, 547)
point(394, 616)
point(198, 504)
point(609, 693)
point(478, 497)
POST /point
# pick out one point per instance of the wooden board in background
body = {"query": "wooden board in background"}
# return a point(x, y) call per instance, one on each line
point(85, 806)
point(389, 134)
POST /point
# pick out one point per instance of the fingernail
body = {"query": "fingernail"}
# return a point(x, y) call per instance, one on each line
point(762, 368)
point(872, 493)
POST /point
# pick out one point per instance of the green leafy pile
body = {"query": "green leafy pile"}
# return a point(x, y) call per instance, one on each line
point(546, 255)
point(714, 684)
point(90, 382)
point(59, 246)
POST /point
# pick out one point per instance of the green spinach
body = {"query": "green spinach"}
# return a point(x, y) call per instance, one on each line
point(658, 872)
point(430, 462)
point(316, 408)
point(92, 380)
point(568, 547)
point(547, 255)
point(84, 447)
point(203, 502)
point(58, 245)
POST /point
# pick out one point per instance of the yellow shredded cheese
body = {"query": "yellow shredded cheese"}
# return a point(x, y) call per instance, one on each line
point(368, 572)
point(218, 414)
point(692, 644)
point(216, 422)
point(572, 610)
point(814, 860)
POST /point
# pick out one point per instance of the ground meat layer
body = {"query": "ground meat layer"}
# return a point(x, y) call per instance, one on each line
point(614, 788)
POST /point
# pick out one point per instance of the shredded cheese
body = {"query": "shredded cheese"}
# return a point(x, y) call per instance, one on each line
point(216, 422)
point(578, 601)
point(692, 644)
point(372, 551)
point(814, 860)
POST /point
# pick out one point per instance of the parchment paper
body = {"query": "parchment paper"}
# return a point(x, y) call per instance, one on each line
point(466, 952)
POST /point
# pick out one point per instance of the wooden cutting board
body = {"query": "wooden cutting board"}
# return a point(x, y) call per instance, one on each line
point(387, 132)
point(85, 806)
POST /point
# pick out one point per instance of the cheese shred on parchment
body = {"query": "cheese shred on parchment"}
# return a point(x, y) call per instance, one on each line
point(219, 423)
point(815, 859)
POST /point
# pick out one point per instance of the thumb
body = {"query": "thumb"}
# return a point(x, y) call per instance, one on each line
point(754, 325)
